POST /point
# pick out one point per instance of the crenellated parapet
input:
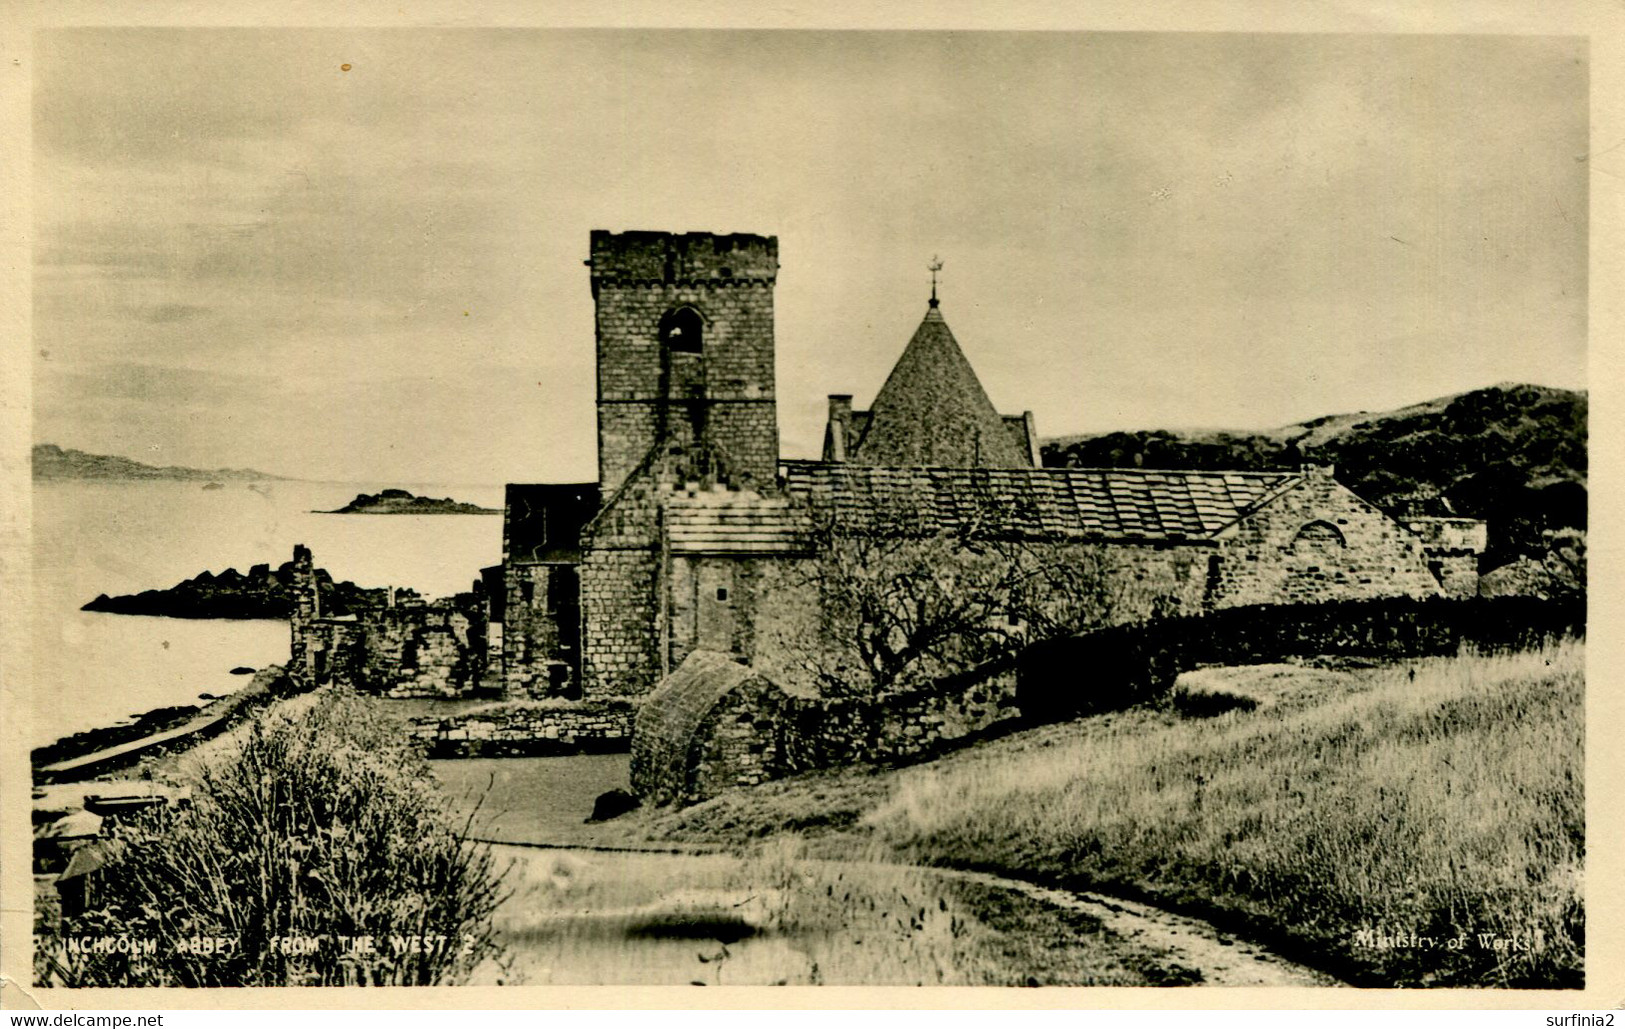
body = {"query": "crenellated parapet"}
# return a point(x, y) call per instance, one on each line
point(672, 259)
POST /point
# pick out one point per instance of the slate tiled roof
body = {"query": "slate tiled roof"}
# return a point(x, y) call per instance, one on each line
point(932, 410)
point(1033, 503)
point(721, 521)
point(543, 522)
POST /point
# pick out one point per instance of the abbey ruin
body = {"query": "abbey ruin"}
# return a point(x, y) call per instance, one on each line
point(700, 536)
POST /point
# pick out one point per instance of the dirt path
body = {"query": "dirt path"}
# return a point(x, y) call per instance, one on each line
point(1222, 959)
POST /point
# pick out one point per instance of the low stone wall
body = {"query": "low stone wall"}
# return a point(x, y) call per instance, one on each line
point(1121, 665)
point(529, 729)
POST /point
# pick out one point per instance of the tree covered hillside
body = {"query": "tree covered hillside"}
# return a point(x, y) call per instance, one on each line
point(1514, 455)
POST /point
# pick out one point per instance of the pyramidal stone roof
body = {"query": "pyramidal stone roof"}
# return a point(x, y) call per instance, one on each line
point(933, 410)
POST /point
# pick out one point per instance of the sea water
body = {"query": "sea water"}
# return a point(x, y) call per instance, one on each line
point(94, 669)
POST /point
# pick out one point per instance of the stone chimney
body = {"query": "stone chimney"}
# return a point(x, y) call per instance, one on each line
point(1314, 470)
point(838, 433)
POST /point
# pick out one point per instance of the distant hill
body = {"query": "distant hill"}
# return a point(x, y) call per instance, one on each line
point(54, 462)
point(1513, 454)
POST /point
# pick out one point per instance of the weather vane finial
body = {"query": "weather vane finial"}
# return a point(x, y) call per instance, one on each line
point(935, 266)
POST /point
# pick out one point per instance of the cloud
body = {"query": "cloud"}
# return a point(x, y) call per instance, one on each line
point(230, 204)
point(163, 314)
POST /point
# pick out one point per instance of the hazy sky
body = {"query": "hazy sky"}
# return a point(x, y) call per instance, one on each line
point(247, 255)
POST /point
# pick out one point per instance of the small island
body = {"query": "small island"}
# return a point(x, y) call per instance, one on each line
point(262, 593)
point(399, 501)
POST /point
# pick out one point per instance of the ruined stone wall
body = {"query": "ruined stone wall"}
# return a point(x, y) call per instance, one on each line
point(1316, 543)
point(1452, 547)
point(528, 729)
point(306, 608)
point(529, 635)
point(1457, 573)
point(416, 650)
point(540, 655)
point(434, 650)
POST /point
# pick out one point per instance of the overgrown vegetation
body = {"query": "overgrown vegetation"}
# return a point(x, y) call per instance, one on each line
point(1364, 825)
point(319, 852)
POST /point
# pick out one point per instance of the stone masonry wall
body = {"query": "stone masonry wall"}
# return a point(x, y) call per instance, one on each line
point(637, 278)
point(718, 725)
point(720, 602)
point(670, 720)
point(306, 607)
point(1452, 547)
point(663, 413)
point(780, 600)
point(1316, 543)
point(620, 647)
point(1457, 573)
point(528, 729)
point(537, 659)
point(417, 650)
point(435, 650)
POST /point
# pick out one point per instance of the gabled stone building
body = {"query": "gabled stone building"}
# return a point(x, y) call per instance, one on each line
point(692, 535)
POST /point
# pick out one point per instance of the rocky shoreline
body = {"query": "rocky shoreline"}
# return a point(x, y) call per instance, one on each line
point(262, 593)
point(89, 741)
point(170, 729)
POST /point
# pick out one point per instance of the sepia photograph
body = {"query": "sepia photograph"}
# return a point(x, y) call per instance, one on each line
point(554, 507)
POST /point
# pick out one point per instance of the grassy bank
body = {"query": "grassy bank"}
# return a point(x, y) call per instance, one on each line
point(769, 917)
point(1414, 806)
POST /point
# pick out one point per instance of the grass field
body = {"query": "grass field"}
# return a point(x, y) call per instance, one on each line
point(1419, 824)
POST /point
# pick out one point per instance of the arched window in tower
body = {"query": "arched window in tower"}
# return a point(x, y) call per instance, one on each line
point(1319, 537)
point(682, 331)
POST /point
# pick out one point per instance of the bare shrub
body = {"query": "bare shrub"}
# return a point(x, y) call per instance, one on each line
point(320, 851)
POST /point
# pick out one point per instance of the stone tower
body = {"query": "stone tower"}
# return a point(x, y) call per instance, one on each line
point(685, 355)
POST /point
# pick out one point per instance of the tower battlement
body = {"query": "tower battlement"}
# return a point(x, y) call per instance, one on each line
point(685, 352)
point(669, 258)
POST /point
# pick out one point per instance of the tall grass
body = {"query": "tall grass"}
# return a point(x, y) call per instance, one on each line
point(1439, 812)
point(318, 852)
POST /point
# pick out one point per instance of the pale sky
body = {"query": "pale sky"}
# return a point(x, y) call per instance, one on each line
point(247, 255)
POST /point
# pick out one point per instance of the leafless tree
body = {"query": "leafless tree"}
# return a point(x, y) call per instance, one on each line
point(905, 602)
